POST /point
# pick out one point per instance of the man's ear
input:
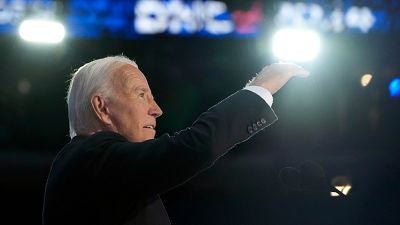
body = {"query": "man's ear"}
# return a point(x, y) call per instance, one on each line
point(100, 108)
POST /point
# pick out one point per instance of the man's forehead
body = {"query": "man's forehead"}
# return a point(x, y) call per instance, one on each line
point(128, 71)
point(129, 75)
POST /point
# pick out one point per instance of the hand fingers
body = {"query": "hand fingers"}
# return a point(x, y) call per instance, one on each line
point(301, 72)
point(288, 69)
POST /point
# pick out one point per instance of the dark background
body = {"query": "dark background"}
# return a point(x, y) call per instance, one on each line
point(328, 118)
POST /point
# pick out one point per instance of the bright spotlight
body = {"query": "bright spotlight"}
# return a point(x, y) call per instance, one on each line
point(296, 45)
point(394, 87)
point(42, 31)
point(366, 79)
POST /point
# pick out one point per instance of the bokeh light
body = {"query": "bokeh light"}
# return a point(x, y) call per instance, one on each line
point(42, 31)
point(394, 87)
point(366, 79)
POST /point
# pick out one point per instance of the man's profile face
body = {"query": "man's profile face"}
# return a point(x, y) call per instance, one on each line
point(132, 108)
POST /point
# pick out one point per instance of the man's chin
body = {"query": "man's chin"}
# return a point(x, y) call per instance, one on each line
point(150, 138)
point(142, 139)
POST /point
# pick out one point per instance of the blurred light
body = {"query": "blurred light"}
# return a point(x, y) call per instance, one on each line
point(334, 194)
point(334, 18)
point(361, 18)
point(297, 45)
point(177, 16)
point(366, 79)
point(42, 31)
point(344, 189)
point(394, 87)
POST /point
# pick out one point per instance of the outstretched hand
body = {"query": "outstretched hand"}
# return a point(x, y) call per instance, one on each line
point(275, 76)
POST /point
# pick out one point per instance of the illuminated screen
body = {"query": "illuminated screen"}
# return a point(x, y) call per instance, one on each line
point(132, 18)
point(135, 18)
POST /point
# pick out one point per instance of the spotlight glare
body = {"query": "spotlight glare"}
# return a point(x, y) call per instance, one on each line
point(297, 45)
point(42, 31)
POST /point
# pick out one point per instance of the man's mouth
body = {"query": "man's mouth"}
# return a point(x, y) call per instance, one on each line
point(150, 127)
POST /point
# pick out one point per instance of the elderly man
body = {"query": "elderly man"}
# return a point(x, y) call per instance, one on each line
point(113, 170)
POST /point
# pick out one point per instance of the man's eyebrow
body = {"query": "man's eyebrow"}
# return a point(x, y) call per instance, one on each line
point(141, 89)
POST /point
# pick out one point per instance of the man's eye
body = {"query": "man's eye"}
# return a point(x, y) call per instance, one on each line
point(141, 95)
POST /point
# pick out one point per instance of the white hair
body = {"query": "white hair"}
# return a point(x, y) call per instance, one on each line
point(93, 77)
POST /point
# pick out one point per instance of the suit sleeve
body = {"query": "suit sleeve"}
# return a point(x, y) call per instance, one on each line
point(155, 166)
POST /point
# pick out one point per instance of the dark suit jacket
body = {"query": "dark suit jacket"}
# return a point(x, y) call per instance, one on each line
point(105, 179)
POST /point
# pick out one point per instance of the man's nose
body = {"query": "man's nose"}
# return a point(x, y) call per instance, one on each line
point(155, 110)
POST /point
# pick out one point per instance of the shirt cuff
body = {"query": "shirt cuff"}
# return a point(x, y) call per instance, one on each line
point(262, 92)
